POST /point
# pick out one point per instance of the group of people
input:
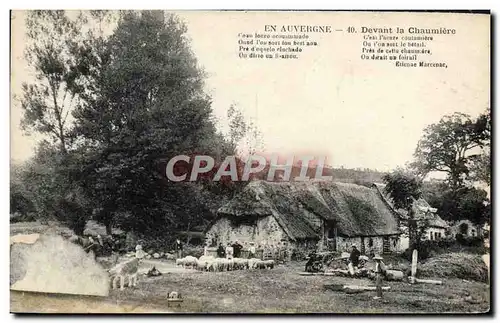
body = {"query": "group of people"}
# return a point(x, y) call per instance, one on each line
point(233, 250)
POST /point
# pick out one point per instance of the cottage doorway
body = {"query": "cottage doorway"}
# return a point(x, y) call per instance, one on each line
point(332, 238)
point(386, 245)
point(362, 246)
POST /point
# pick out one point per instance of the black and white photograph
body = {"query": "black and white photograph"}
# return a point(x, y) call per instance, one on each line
point(250, 162)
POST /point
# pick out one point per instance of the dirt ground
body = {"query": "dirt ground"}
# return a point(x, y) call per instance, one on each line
point(280, 290)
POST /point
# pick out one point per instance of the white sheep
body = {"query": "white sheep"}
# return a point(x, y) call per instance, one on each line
point(269, 264)
point(129, 269)
point(203, 261)
point(252, 263)
point(240, 263)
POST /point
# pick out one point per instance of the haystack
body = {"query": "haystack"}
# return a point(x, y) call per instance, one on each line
point(455, 265)
point(52, 264)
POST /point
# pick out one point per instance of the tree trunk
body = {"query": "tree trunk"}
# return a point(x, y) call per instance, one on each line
point(412, 228)
point(108, 228)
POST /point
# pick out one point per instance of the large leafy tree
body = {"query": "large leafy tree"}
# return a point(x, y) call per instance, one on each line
point(451, 145)
point(48, 100)
point(143, 104)
point(467, 203)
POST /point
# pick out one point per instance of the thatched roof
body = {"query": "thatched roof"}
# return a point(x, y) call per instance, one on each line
point(423, 210)
point(436, 221)
point(357, 210)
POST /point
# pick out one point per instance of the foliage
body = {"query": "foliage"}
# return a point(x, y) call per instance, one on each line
point(145, 105)
point(20, 197)
point(47, 102)
point(480, 167)
point(467, 203)
point(449, 146)
point(241, 129)
point(46, 182)
point(404, 189)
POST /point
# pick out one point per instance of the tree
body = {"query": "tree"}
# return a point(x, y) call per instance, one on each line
point(405, 189)
point(48, 100)
point(143, 104)
point(242, 132)
point(448, 146)
point(480, 167)
point(20, 197)
point(468, 203)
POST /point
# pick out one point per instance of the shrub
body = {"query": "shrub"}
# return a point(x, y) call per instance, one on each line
point(17, 217)
point(469, 241)
point(195, 251)
point(431, 248)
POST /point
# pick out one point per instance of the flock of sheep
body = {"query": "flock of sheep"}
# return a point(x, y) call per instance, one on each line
point(210, 263)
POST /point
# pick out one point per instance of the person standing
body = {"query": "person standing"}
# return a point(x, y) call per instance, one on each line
point(353, 260)
point(178, 248)
point(229, 251)
point(237, 249)
point(251, 250)
point(221, 252)
point(139, 253)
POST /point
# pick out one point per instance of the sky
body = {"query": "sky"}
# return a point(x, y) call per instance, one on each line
point(329, 102)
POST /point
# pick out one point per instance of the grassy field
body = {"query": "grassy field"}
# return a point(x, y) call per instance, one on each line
point(280, 290)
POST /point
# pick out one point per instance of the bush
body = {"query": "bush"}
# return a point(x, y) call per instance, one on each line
point(424, 251)
point(17, 217)
point(157, 244)
point(299, 255)
point(469, 241)
point(431, 248)
point(195, 251)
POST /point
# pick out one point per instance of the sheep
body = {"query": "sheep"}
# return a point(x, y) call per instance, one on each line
point(263, 264)
point(260, 264)
point(221, 264)
point(203, 262)
point(240, 263)
point(127, 269)
point(188, 261)
point(215, 265)
point(212, 266)
point(269, 264)
point(252, 262)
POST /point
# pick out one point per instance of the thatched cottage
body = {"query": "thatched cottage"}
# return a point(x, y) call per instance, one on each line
point(436, 227)
point(466, 228)
point(308, 215)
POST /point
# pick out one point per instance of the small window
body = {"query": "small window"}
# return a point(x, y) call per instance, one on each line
point(464, 228)
point(370, 243)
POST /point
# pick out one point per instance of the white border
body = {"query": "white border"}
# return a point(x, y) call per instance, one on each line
point(192, 5)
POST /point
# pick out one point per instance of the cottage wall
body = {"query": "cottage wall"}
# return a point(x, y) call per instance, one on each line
point(434, 233)
point(368, 245)
point(265, 230)
point(472, 229)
